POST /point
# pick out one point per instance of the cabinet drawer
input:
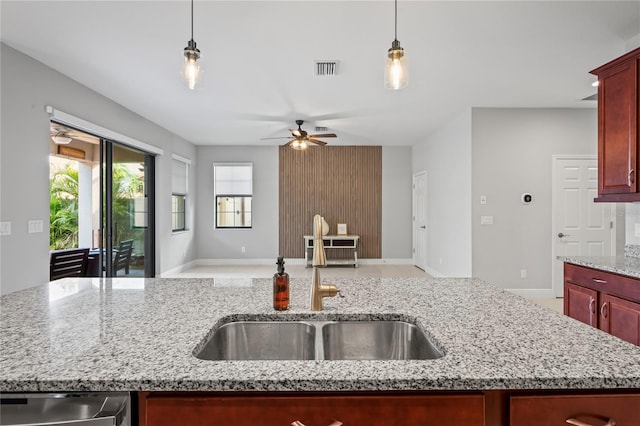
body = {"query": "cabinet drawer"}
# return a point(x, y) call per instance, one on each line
point(318, 410)
point(594, 410)
point(606, 282)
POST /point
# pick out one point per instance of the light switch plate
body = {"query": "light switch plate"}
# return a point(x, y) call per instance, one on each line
point(483, 199)
point(5, 228)
point(486, 220)
point(35, 226)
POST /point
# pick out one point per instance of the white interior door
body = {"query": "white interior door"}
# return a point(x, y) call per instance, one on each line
point(580, 226)
point(420, 220)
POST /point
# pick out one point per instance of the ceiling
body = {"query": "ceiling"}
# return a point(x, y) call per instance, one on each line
point(258, 58)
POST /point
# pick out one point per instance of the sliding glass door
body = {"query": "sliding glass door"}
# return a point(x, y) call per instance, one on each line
point(126, 206)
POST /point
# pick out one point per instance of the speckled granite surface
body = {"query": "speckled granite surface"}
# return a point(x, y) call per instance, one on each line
point(137, 334)
point(624, 265)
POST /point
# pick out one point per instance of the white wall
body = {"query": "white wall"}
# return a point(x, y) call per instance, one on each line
point(446, 157)
point(26, 87)
point(512, 151)
point(396, 203)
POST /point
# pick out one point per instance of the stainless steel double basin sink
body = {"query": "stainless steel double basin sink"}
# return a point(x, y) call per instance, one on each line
point(317, 340)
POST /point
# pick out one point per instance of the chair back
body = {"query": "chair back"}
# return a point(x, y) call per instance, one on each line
point(123, 256)
point(68, 263)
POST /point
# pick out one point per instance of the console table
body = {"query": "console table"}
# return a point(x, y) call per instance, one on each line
point(333, 242)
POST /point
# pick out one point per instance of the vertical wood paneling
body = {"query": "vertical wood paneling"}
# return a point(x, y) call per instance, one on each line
point(341, 183)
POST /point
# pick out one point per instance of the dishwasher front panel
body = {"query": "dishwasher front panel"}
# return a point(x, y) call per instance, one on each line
point(61, 409)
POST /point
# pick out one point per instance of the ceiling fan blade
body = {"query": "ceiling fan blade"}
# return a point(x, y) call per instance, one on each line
point(296, 133)
point(279, 137)
point(316, 141)
point(324, 135)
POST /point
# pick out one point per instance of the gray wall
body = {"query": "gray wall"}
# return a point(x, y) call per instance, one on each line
point(261, 241)
point(26, 87)
point(512, 153)
point(446, 157)
point(396, 203)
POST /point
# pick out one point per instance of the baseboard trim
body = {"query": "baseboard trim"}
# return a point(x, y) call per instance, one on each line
point(289, 261)
point(434, 273)
point(179, 269)
point(533, 293)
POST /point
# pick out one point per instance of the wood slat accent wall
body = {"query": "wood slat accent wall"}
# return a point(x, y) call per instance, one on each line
point(341, 183)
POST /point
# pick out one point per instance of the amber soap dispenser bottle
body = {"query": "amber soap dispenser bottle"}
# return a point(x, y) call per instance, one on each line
point(280, 287)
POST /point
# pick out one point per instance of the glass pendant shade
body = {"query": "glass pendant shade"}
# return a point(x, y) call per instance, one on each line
point(396, 75)
point(191, 71)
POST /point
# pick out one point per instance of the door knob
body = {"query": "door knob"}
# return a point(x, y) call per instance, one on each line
point(560, 235)
point(423, 227)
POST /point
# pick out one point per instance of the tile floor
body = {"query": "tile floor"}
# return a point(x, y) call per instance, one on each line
point(299, 271)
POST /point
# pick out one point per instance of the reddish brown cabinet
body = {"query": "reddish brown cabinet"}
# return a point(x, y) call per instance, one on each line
point(620, 317)
point(604, 409)
point(374, 409)
point(605, 300)
point(618, 118)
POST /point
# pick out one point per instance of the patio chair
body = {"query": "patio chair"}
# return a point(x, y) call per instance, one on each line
point(68, 263)
point(122, 256)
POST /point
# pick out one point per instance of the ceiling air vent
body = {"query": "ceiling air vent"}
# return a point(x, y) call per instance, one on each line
point(321, 129)
point(325, 68)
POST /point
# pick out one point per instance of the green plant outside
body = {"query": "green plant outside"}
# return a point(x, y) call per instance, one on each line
point(63, 206)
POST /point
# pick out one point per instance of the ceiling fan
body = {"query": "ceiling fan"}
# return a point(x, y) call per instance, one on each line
point(300, 139)
point(62, 135)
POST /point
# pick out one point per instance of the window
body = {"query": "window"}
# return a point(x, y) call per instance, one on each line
point(233, 186)
point(179, 174)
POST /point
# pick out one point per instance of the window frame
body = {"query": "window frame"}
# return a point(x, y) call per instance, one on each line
point(174, 193)
point(217, 195)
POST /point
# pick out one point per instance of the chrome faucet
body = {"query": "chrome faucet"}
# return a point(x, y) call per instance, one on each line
point(318, 290)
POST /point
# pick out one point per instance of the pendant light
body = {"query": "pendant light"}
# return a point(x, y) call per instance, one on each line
point(191, 70)
point(396, 70)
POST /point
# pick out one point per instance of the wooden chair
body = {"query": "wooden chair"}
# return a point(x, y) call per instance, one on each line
point(68, 263)
point(122, 256)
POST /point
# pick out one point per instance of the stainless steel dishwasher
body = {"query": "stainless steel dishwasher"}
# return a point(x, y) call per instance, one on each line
point(66, 408)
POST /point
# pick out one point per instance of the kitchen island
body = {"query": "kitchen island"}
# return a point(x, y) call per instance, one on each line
point(140, 334)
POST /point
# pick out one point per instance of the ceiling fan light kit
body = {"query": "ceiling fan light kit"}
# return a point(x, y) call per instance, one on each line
point(191, 70)
point(396, 74)
point(61, 139)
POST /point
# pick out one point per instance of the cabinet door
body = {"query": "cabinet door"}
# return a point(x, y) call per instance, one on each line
point(205, 410)
point(621, 318)
point(597, 410)
point(580, 303)
point(617, 129)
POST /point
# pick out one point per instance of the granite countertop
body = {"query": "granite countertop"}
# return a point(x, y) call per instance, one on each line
point(139, 334)
point(623, 265)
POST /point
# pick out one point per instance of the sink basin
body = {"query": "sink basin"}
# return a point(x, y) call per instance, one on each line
point(376, 340)
point(317, 340)
point(261, 340)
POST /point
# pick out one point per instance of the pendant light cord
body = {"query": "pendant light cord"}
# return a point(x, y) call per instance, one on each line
point(192, 19)
point(396, 21)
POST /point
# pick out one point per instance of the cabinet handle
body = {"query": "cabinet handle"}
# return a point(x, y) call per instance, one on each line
point(632, 174)
point(603, 311)
point(299, 423)
point(592, 305)
point(598, 280)
point(575, 422)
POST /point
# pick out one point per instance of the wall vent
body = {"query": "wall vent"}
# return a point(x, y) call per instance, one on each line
point(325, 68)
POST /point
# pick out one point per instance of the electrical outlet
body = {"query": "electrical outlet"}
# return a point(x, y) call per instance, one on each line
point(523, 273)
point(242, 249)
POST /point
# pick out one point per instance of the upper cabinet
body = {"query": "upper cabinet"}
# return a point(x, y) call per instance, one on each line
point(618, 125)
